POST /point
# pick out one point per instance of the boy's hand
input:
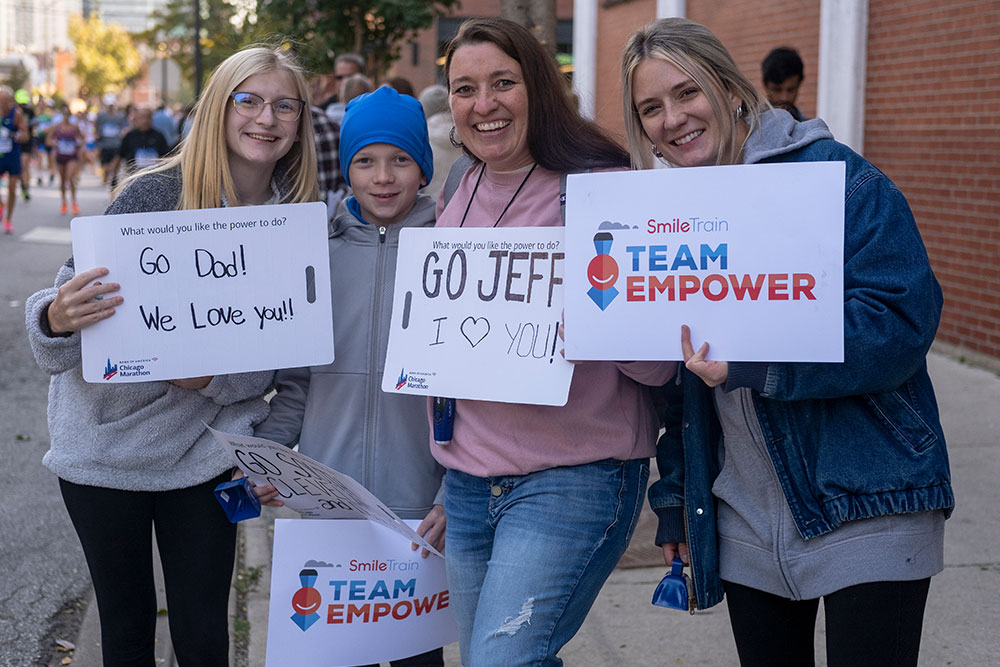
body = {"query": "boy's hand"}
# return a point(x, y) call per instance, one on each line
point(266, 494)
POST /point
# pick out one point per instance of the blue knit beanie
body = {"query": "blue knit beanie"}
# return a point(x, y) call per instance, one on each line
point(383, 116)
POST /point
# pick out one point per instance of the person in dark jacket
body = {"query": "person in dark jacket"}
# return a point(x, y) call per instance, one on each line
point(142, 146)
point(785, 483)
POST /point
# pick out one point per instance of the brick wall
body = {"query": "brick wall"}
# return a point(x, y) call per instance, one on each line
point(933, 125)
point(751, 29)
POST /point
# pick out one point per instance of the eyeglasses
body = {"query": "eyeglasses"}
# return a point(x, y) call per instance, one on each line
point(251, 106)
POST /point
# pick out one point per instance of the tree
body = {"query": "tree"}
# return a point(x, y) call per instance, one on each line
point(106, 58)
point(18, 77)
point(375, 29)
point(538, 16)
point(226, 27)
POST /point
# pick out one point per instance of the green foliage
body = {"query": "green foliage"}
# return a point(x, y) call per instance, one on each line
point(106, 58)
point(18, 77)
point(226, 27)
point(319, 30)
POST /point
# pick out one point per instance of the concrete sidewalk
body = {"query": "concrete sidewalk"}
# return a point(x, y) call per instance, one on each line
point(624, 629)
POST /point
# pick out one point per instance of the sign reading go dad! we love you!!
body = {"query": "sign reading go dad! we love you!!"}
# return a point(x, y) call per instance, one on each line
point(750, 257)
point(208, 292)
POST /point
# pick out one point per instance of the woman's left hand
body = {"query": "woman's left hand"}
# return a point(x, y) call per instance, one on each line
point(713, 373)
point(193, 383)
point(432, 530)
point(561, 330)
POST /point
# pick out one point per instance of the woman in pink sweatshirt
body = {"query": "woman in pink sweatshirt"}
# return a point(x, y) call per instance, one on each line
point(541, 501)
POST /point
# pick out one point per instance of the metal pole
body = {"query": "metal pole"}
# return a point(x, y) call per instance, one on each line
point(197, 49)
point(163, 79)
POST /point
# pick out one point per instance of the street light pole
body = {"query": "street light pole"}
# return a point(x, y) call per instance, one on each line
point(197, 49)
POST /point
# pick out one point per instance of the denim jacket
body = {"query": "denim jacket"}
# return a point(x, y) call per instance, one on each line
point(848, 441)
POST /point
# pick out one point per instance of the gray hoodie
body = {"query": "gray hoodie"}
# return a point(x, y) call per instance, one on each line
point(141, 436)
point(338, 413)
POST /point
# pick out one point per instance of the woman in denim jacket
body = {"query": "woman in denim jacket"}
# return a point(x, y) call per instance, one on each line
point(785, 483)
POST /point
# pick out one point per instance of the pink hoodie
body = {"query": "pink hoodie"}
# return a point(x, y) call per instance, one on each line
point(609, 413)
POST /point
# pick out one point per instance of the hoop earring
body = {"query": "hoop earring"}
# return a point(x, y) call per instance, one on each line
point(741, 111)
point(656, 151)
point(454, 141)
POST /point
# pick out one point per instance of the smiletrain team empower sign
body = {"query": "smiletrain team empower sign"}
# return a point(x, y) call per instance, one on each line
point(350, 592)
point(750, 257)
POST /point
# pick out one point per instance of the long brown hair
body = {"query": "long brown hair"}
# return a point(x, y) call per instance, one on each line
point(559, 139)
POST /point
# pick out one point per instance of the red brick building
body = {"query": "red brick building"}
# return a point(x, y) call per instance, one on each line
point(912, 84)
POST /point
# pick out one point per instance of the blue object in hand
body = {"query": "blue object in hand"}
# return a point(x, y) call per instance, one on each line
point(238, 499)
point(444, 420)
point(672, 591)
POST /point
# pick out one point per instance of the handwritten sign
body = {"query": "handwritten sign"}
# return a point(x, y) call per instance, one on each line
point(208, 292)
point(476, 314)
point(309, 487)
point(351, 593)
point(750, 257)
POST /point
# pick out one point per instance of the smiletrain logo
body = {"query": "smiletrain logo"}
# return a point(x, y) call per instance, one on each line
point(603, 272)
point(306, 601)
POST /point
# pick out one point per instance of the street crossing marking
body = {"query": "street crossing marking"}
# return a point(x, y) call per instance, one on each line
point(54, 235)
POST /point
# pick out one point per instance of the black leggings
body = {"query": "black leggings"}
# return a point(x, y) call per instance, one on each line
point(876, 624)
point(197, 547)
point(433, 658)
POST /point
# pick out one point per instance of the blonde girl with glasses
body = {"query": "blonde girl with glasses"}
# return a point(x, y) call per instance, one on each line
point(131, 458)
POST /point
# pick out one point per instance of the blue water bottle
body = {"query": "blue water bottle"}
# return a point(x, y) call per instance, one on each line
point(444, 419)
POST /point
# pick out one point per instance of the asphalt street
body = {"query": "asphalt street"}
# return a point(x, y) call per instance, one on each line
point(42, 570)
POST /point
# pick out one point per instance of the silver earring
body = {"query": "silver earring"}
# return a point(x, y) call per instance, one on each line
point(656, 151)
point(453, 139)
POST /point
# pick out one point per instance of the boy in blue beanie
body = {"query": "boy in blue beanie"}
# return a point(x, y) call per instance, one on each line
point(338, 413)
point(387, 154)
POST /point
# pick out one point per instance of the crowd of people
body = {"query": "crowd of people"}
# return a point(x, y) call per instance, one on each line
point(780, 484)
point(51, 141)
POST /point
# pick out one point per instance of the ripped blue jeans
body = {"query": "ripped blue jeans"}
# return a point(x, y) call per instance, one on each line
point(528, 554)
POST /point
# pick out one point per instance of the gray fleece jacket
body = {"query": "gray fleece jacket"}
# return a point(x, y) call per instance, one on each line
point(338, 413)
point(143, 436)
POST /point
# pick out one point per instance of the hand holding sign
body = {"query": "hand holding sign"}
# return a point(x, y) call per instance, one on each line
point(83, 301)
point(713, 373)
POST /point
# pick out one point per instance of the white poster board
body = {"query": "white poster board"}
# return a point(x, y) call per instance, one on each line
point(307, 486)
point(208, 292)
point(351, 593)
point(750, 257)
point(475, 315)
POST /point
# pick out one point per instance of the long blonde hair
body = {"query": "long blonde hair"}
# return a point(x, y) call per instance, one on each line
point(696, 51)
point(203, 156)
